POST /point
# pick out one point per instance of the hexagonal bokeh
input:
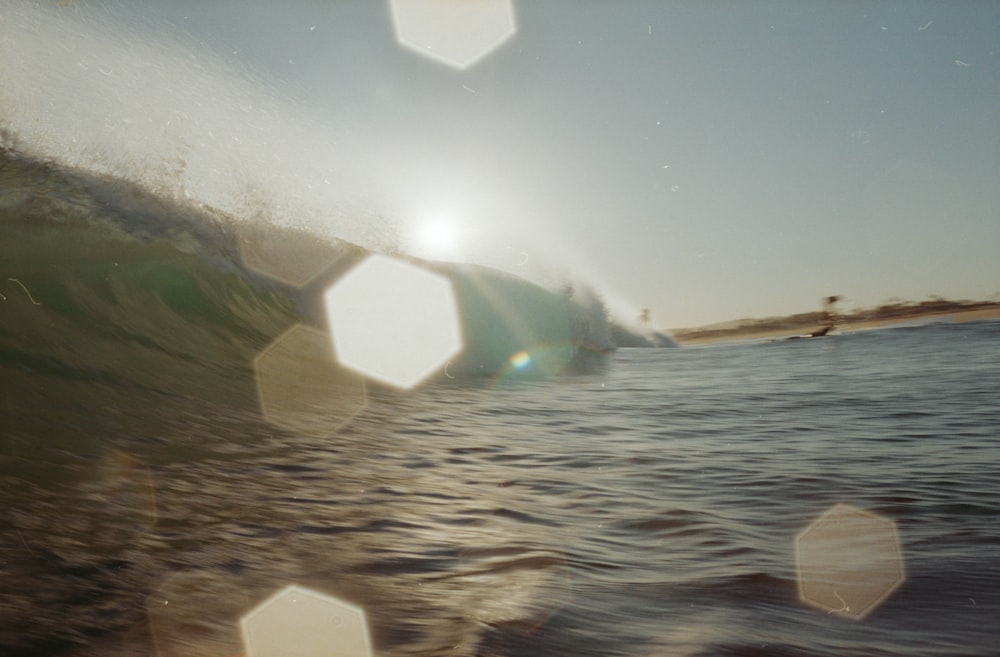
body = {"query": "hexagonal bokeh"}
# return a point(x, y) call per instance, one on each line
point(456, 32)
point(292, 256)
point(127, 486)
point(302, 388)
point(393, 322)
point(195, 613)
point(112, 509)
point(849, 561)
point(297, 622)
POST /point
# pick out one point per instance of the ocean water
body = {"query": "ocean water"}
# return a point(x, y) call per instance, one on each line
point(651, 504)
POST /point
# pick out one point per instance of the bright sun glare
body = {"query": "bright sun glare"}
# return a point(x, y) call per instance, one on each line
point(435, 237)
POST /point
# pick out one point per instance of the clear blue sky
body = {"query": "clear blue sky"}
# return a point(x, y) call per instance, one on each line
point(708, 160)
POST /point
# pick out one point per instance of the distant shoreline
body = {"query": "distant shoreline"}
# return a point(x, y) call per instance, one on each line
point(779, 327)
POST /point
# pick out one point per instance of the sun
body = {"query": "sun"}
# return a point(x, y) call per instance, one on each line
point(438, 236)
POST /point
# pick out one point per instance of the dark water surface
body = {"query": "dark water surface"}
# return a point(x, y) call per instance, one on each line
point(649, 509)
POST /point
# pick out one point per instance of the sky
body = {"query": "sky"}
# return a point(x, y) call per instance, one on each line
point(706, 160)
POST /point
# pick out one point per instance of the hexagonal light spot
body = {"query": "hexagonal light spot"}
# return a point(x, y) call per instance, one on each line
point(849, 561)
point(195, 613)
point(128, 486)
point(393, 322)
point(456, 32)
point(292, 256)
point(297, 622)
point(302, 388)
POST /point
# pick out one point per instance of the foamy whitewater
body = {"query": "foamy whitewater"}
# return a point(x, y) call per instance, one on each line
point(618, 502)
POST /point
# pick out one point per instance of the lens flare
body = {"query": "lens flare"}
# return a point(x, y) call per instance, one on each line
point(453, 32)
point(393, 322)
point(299, 621)
point(520, 360)
point(537, 362)
point(849, 561)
